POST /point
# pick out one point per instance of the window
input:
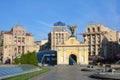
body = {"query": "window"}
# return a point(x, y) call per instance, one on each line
point(99, 52)
point(98, 29)
point(22, 49)
point(59, 40)
point(89, 53)
point(56, 41)
point(84, 40)
point(89, 42)
point(62, 35)
point(88, 29)
point(56, 35)
point(15, 49)
point(59, 35)
point(93, 29)
point(23, 40)
point(62, 41)
point(110, 38)
point(18, 37)
point(18, 49)
point(94, 53)
point(15, 36)
point(5, 46)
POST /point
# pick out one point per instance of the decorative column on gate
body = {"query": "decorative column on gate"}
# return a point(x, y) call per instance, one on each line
point(79, 56)
point(58, 56)
point(85, 55)
point(64, 51)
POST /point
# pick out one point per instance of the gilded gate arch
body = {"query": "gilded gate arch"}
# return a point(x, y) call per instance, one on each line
point(72, 46)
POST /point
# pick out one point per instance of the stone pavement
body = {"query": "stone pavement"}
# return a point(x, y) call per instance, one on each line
point(65, 73)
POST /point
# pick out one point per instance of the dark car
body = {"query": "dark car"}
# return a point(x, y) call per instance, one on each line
point(8, 61)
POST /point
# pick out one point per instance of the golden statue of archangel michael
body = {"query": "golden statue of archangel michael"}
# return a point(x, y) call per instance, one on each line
point(72, 29)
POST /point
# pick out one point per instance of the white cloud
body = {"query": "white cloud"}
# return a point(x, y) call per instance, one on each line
point(44, 23)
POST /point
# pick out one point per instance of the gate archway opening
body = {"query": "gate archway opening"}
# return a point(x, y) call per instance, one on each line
point(72, 59)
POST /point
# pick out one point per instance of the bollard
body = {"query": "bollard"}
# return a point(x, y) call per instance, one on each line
point(113, 71)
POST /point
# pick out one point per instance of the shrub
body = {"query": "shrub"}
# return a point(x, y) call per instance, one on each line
point(29, 58)
point(16, 60)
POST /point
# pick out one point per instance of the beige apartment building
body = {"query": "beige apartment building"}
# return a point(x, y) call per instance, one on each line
point(37, 46)
point(41, 45)
point(58, 35)
point(15, 42)
point(102, 40)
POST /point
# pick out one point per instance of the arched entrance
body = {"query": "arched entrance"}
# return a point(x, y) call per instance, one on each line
point(72, 59)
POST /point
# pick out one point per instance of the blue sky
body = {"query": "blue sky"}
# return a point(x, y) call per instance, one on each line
point(38, 16)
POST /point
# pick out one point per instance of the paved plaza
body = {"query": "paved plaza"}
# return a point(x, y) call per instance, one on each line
point(65, 73)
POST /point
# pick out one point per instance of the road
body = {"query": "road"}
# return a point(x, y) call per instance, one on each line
point(65, 73)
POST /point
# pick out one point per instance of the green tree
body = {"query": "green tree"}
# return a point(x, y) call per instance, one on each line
point(22, 60)
point(16, 60)
point(29, 58)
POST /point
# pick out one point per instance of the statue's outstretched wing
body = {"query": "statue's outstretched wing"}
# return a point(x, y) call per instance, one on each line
point(75, 26)
point(69, 27)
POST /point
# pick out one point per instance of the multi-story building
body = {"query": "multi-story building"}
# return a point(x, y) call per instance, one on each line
point(58, 36)
point(102, 40)
point(44, 44)
point(41, 45)
point(37, 46)
point(15, 42)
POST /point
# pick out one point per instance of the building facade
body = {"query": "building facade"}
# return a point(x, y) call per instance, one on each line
point(41, 45)
point(37, 46)
point(58, 35)
point(15, 42)
point(102, 40)
point(44, 44)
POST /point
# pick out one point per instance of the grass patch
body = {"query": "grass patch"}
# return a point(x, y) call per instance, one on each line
point(28, 75)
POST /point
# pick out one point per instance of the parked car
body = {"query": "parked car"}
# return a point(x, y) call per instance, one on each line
point(8, 61)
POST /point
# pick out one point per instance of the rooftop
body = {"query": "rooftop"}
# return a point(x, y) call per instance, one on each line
point(59, 23)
